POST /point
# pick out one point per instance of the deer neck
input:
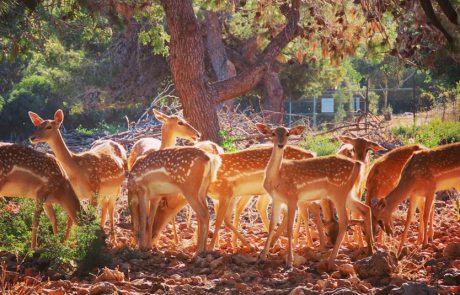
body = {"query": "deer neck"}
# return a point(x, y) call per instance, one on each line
point(63, 154)
point(168, 139)
point(273, 168)
point(398, 195)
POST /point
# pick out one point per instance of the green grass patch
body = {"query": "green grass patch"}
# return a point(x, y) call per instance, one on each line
point(430, 135)
point(322, 145)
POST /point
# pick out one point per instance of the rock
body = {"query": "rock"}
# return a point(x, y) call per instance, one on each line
point(59, 291)
point(451, 277)
point(299, 260)
point(343, 283)
point(102, 288)
point(380, 264)
point(110, 275)
point(303, 291)
point(347, 269)
point(243, 260)
point(216, 262)
point(413, 288)
point(341, 291)
point(452, 250)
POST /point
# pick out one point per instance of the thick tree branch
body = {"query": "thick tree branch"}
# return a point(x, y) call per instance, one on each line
point(247, 80)
point(448, 10)
point(428, 8)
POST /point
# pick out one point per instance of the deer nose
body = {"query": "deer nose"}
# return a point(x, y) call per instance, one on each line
point(280, 146)
point(32, 138)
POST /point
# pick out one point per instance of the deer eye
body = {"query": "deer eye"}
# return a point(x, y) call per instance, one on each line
point(48, 127)
point(273, 133)
point(180, 123)
point(287, 134)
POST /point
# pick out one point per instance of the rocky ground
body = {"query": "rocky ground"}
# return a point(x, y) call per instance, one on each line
point(172, 269)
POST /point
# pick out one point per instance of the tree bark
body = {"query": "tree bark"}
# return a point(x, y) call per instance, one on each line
point(186, 59)
point(273, 97)
point(222, 66)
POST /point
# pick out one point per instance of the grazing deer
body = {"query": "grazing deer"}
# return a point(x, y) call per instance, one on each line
point(25, 172)
point(425, 173)
point(96, 174)
point(289, 182)
point(385, 173)
point(169, 172)
point(241, 174)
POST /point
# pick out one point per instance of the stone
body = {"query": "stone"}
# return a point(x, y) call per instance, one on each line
point(413, 288)
point(380, 264)
point(341, 291)
point(452, 250)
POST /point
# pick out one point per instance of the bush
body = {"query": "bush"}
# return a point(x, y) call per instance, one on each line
point(431, 134)
point(322, 145)
point(85, 246)
point(228, 141)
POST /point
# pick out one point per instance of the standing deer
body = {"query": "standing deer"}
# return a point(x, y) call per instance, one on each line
point(27, 173)
point(289, 182)
point(241, 174)
point(96, 174)
point(385, 173)
point(425, 173)
point(167, 173)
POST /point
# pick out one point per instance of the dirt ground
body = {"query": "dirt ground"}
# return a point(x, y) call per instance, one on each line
point(171, 269)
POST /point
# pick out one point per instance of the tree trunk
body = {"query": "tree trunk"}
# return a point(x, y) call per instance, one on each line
point(273, 100)
point(222, 66)
point(186, 59)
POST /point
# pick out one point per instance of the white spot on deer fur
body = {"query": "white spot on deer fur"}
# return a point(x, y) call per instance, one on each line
point(147, 174)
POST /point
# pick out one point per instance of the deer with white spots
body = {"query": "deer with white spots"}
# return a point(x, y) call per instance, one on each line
point(425, 173)
point(291, 181)
point(27, 173)
point(241, 174)
point(384, 176)
point(96, 175)
point(167, 173)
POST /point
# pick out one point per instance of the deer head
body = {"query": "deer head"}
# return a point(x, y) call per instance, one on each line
point(45, 128)
point(280, 134)
point(361, 145)
point(381, 216)
point(177, 127)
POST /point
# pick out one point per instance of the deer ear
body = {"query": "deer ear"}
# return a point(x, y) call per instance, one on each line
point(263, 129)
point(297, 130)
point(346, 139)
point(160, 116)
point(36, 120)
point(59, 116)
point(377, 147)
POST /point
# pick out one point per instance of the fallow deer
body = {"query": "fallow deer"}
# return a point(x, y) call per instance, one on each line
point(25, 172)
point(96, 174)
point(291, 181)
point(385, 173)
point(241, 174)
point(425, 173)
point(167, 173)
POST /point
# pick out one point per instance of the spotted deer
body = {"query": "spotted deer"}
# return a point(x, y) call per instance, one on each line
point(291, 181)
point(385, 173)
point(96, 174)
point(241, 174)
point(27, 173)
point(166, 173)
point(425, 173)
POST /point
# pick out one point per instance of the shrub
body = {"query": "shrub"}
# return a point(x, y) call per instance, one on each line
point(228, 141)
point(322, 145)
point(431, 134)
point(85, 246)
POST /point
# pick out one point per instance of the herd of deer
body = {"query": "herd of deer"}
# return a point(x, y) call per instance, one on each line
point(164, 178)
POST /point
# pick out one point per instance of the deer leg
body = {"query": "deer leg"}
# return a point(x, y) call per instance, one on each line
point(421, 209)
point(176, 237)
point(281, 229)
point(49, 211)
point(69, 227)
point(35, 222)
point(262, 205)
point(240, 206)
point(154, 202)
point(410, 214)
point(142, 220)
point(297, 226)
point(431, 229)
point(111, 211)
point(315, 210)
point(305, 215)
point(364, 211)
point(221, 212)
point(343, 224)
point(104, 209)
point(429, 201)
point(292, 206)
point(235, 231)
point(276, 210)
point(357, 231)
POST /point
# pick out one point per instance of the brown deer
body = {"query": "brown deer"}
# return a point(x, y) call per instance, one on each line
point(241, 174)
point(288, 182)
point(25, 172)
point(425, 173)
point(166, 173)
point(385, 173)
point(96, 174)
